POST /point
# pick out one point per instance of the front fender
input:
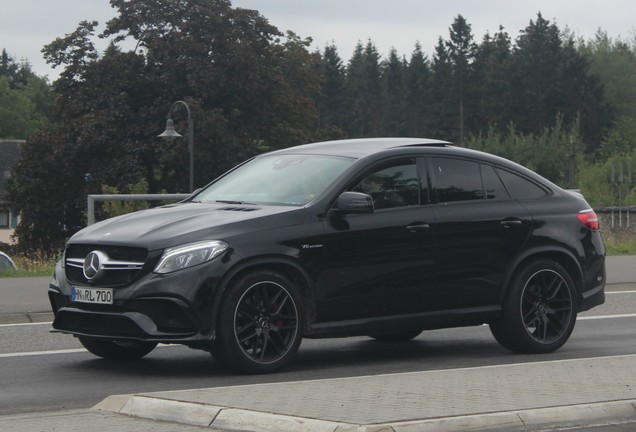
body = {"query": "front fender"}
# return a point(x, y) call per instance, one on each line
point(282, 264)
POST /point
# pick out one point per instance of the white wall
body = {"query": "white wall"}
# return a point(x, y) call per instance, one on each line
point(5, 235)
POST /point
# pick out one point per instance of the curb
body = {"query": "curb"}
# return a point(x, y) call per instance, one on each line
point(213, 416)
point(26, 318)
point(233, 419)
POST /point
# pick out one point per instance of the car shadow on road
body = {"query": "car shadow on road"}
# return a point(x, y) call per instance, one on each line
point(176, 367)
point(324, 358)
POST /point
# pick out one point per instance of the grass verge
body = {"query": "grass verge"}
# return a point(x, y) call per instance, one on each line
point(620, 248)
point(29, 268)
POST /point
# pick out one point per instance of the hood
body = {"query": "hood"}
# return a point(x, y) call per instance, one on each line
point(186, 222)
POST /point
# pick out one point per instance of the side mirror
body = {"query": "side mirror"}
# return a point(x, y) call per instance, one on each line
point(353, 203)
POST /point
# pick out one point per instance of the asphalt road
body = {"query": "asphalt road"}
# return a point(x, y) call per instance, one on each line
point(40, 371)
point(44, 372)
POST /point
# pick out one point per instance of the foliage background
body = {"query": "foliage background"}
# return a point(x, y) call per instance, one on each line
point(562, 106)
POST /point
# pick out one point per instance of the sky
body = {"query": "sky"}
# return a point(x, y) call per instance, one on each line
point(27, 25)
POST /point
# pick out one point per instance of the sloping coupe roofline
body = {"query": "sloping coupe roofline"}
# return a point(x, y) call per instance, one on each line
point(360, 146)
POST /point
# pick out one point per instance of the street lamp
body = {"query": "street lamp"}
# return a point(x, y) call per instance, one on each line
point(170, 133)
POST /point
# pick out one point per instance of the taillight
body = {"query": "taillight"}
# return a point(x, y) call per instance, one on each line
point(589, 219)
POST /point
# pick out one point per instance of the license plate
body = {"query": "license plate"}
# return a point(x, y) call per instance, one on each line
point(92, 295)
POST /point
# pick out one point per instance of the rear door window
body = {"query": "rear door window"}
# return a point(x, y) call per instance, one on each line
point(457, 180)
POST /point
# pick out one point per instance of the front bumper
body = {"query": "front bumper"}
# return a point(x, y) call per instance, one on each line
point(171, 308)
point(151, 319)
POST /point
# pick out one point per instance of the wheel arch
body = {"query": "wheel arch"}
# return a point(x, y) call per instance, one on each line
point(560, 255)
point(283, 265)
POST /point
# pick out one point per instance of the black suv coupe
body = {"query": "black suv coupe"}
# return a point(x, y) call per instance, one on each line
point(382, 237)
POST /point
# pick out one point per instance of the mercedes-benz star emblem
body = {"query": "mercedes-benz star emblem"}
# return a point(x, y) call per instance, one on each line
point(93, 265)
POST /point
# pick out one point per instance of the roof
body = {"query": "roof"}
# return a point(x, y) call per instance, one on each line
point(9, 155)
point(360, 147)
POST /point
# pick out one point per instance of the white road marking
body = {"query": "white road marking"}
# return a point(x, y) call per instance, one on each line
point(37, 353)
point(598, 317)
point(66, 351)
point(26, 324)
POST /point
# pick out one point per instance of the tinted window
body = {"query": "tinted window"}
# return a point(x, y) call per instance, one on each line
point(392, 185)
point(492, 183)
point(520, 187)
point(457, 180)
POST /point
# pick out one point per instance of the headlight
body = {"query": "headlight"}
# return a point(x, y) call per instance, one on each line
point(181, 257)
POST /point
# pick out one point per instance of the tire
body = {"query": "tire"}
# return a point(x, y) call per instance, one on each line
point(117, 350)
point(396, 337)
point(539, 311)
point(260, 324)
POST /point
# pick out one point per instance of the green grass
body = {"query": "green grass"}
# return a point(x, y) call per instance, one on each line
point(625, 247)
point(619, 241)
point(29, 268)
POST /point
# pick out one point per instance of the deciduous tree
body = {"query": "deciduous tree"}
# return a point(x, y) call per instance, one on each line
point(248, 90)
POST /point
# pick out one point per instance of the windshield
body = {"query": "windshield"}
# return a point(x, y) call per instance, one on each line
point(276, 179)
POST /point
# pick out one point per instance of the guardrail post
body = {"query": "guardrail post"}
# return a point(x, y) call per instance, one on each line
point(90, 214)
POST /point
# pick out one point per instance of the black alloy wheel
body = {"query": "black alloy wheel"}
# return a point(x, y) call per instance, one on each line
point(546, 306)
point(539, 313)
point(117, 350)
point(260, 325)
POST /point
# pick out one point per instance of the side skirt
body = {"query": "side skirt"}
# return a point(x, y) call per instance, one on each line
point(401, 323)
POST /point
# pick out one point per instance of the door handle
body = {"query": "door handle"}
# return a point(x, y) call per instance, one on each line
point(507, 223)
point(417, 227)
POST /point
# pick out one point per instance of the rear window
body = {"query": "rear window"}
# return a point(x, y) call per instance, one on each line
point(457, 180)
point(520, 187)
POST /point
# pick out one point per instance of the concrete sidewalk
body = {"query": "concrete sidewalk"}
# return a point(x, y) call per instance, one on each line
point(512, 398)
point(518, 397)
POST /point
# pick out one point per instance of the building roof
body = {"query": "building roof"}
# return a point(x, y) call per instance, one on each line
point(9, 156)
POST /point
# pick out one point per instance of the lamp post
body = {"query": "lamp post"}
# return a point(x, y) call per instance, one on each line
point(170, 133)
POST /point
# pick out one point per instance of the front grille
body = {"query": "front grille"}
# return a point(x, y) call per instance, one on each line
point(123, 266)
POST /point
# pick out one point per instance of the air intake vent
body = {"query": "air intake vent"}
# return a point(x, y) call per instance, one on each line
point(240, 209)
